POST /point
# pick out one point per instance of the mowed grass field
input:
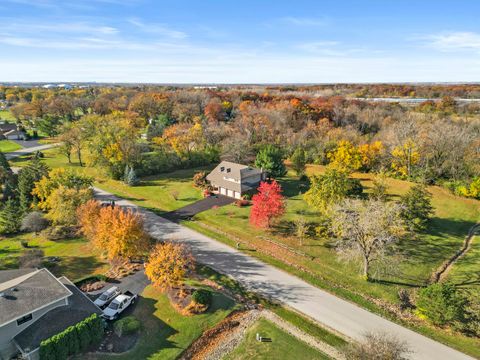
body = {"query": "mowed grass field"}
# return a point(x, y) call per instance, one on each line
point(8, 146)
point(283, 346)
point(77, 257)
point(421, 254)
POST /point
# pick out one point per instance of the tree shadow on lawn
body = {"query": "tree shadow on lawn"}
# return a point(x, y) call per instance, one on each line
point(154, 332)
point(293, 187)
point(75, 267)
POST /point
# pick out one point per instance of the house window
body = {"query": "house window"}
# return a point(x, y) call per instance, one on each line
point(228, 170)
point(24, 319)
point(222, 169)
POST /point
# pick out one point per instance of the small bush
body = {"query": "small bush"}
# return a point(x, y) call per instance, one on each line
point(441, 304)
point(202, 296)
point(24, 244)
point(60, 233)
point(242, 203)
point(127, 325)
point(34, 221)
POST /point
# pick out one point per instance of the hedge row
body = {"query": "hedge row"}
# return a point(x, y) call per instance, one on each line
point(73, 340)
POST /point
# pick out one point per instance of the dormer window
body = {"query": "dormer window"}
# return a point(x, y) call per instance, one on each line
point(228, 170)
point(222, 169)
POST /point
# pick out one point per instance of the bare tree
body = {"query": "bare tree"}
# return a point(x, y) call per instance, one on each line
point(301, 229)
point(34, 221)
point(366, 230)
point(378, 346)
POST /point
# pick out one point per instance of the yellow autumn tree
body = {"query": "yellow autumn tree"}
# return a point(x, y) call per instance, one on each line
point(168, 265)
point(183, 138)
point(116, 231)
point(370, 154)
point(63, 202)
point(345, 157)
point(87, 216)
point(404, 158)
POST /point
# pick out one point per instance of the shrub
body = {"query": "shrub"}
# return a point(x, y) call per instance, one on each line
point(61, 232)
point(127, 325)
point(242, 203)
point(440, 303)
point(202, 296)
point(73, 339)
point(377, 346)
point(34, 221)
point(200, 180)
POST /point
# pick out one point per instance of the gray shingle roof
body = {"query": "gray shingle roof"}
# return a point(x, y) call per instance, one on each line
point(55, 321)
point(237, 172)
point(34, 289)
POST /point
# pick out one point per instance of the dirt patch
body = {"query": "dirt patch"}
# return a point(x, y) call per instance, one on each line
point(121, 269)
point(92, 285)
point(218, 341)
point(112, 343)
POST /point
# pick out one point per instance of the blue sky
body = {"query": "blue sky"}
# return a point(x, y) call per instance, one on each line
point(213, 41)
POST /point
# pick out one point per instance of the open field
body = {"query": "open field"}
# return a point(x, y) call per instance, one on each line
point(8, 146)
point(282, 347)
point(453, 217)
point(165, 333)
point(77, 258)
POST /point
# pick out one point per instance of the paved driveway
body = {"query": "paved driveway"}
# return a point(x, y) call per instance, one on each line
point(134, 283)
point(343, 316)
point(202, 205)
point(30, 150)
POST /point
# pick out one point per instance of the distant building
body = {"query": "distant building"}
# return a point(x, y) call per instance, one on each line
point(234, 180)
point(34, 306)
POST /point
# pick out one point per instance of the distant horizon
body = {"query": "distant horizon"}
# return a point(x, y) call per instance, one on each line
point(266, 42)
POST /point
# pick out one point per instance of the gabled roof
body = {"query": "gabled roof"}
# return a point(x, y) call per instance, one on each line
point(26, 290)
point(55, 321)
point(237, 172)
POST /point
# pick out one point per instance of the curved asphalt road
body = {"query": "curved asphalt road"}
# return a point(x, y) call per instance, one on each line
point(338, 314)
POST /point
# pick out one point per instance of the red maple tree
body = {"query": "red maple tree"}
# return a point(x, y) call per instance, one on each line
point(268, 204)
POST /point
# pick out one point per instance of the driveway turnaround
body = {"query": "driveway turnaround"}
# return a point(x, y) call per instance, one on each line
point(191, 210)
point(338, 314)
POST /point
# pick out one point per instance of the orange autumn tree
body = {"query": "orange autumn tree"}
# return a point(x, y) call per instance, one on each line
point(268, 204)
point(168, 265)
point(116, 231)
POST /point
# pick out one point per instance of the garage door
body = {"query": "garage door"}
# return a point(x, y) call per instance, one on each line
point(223, 191)
point(237, 195)
point(230, 193)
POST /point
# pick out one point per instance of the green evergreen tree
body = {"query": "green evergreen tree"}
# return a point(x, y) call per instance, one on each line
point(4, 163)
point(10, 218)
point(299, 161)
point(270, 159)
point(130, 177)
point(417, 207)
point(27, 177)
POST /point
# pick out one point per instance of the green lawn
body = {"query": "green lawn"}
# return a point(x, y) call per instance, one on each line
point(6, 115)
point(166, 333)
point(452, 220)
point(162, 193)
point(282, 347)
point(8, 146)
point(77, 258)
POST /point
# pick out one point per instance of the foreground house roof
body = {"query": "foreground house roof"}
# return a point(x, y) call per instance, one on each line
point(55, 321)
point(26, 290)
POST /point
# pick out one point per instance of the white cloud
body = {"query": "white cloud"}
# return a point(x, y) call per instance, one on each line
point(304, 21)
point(159, 29)
point(454, 41)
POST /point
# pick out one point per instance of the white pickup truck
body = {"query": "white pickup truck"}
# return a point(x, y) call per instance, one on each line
point(118, 305)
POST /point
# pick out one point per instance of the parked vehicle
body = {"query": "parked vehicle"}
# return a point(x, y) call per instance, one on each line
point(106, 297)
point(118, 305)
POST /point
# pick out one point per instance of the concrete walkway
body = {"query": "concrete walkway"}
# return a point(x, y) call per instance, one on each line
point(30, 150)
point(338, 314)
